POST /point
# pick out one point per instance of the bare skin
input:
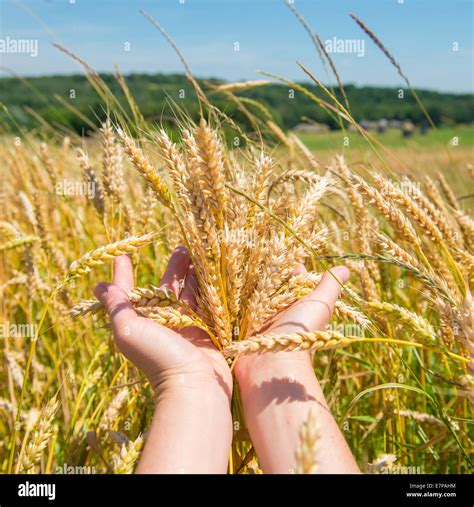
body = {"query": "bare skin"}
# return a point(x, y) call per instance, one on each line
point(191, 431)
point(279, 389)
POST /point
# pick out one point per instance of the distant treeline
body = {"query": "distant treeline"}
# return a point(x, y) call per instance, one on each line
point(59, 99)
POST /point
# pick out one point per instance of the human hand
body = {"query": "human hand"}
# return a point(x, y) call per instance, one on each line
point(191, 430)
point(169, 358)
point(310, 313)
point(278, 389)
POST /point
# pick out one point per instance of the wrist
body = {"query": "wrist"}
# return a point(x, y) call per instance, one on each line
point(189, 413)
point(257, 368)
point(198, 385)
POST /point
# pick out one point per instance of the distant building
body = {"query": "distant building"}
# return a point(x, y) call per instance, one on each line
point(311, 127)
point(407, 128)
point(368, 124)
point(394, 124)
point(424, 127)
point(382, 125)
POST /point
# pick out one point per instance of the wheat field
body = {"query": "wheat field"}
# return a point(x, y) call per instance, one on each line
point(396, 363)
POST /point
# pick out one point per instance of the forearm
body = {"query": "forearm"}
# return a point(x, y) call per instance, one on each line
point(190, 433)
point(278, 391)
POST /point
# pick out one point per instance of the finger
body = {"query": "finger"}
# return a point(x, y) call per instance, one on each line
point(117, 305)
point(330, 286)
point(299, 270)
point(176, 270)
point(150, 346)
point(314, 311)
point(321, 301)
point(123, 273)
point(188, 296)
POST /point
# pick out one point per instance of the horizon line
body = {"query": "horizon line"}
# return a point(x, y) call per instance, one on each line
point(12, 75)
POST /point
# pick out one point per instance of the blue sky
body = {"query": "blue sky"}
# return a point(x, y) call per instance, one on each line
point(420, 33)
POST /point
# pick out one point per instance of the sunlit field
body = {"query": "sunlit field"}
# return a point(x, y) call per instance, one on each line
point(396, 362)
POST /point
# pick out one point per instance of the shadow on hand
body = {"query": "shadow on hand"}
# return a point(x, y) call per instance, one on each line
point(279, 390)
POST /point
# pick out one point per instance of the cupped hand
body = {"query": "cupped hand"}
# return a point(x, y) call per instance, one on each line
point(176, 357)
point(278, 390)
point(309, 313)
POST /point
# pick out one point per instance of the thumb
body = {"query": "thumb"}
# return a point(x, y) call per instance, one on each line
point(314, 311)
point(117, 305)
point(330, 286)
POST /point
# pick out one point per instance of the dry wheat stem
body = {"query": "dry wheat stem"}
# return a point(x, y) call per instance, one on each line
point(307, 451)
point(103, 254)
point(419, 325)
point(15, 243)
point(315, 340)
point(40, 438)
point(140, 296)
point(145, 168)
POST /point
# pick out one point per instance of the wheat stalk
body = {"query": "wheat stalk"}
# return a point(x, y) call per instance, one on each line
point(129, 455)
point(40, 438)
point(145, 168)
point(15, 243)
point(112, 174)
point(315, 340)
point(419, 325)
point(105, 253)
point(307, 451)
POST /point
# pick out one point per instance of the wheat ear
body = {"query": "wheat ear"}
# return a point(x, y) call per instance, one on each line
point(145, 168)
point(399, 221)
point(112, 175)
point(140, 296)
point(315, 340)
point(171, 317)
point(40, 438)
point(15, 243)
point(415, 322)
point(307, 451)
point(105, 253)
point(129, 455)
point(113, 410)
